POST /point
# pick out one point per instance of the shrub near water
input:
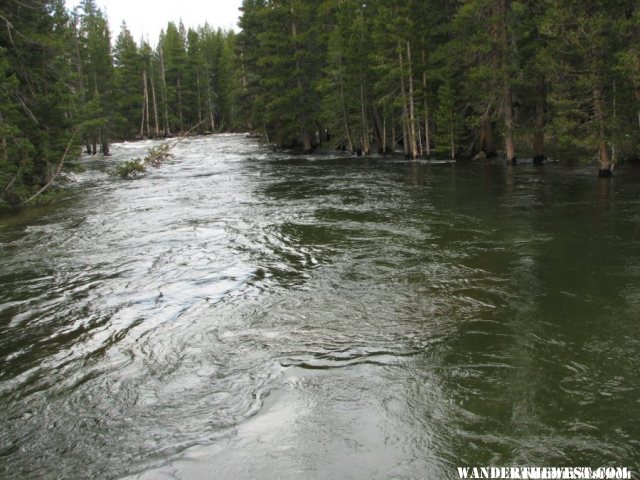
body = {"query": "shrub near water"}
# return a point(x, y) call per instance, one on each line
point(137, 166)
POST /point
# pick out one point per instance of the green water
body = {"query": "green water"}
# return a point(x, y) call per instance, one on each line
point(244, 314)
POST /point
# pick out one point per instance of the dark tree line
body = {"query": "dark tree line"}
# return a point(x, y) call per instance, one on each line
point(452, 78)
point(65, 81)
point(519, 78)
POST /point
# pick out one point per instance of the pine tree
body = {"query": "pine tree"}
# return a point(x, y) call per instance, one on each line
point(584, 40)
point(129, 102)
point(96, 69)
point(37, 117)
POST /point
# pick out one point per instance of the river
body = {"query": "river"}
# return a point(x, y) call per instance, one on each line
point(242, 314)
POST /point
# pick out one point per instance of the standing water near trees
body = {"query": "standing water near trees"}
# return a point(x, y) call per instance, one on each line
point(275, 308)
point(479, 78)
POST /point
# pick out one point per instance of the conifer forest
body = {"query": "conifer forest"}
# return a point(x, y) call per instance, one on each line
point(373, 239)
point(454, 79)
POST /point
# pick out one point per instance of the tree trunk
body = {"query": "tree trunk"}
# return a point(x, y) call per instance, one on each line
point(412, 122)
point(155, 107)
point(142, 122)
point(167, 130)
point(603, 150)
point(405, 146)
point(384, 133)
point(366, 147)
point(306, 138)
point(180, 117)
point(487, 144)
point(538, 135)
point(427, 133)
point(453, 141)
point(306, 142)
point(406, 141)
point(146, 101)
point(344, 109)
point(394, 136)
point(199, 101)
point(212, 120)
point(378, 128)
point(508, 124)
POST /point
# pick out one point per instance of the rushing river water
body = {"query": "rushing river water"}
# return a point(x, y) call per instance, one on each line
point(241, 314)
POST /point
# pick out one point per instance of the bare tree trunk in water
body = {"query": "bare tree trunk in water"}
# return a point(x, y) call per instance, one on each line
point(405, 129)
point(394, 136)
point(142, 122)
point(508, 123)
point(146, 101)
point(212, 120)
point(603, 150)
point(365, 127)
point(5, 150)
point(384, 133)
point(615, 119)
point(199, 101)
point(538, 135)
point(406, 141)
point(306, 138)
point(412, 122)
point(378, 128)
point(638, 103)
point(180, 117)
point(453, 142)
point(427, 134)
point(487, 144)
point(155, 107)
point(504, 7)
point(167, 130)
point(344, 109)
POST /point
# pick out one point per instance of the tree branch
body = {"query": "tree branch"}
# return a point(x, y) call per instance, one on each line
point(57, 172)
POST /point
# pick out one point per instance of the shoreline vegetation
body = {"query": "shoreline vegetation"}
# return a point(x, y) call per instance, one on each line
point(480, 79)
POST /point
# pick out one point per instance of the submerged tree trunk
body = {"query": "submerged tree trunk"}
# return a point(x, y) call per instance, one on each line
point(508, 124)
point(306, 141)
point(405, 146)
point(378, 128)
point(487, 144)
point(343, 104)
point(394, 136)
point(366, 147)
point(167, 130)
point(155, 107)
point(538, 135)
point(427, 134)
point(504, 7)
point(199, 100)
point(142, 122)
point(212, 120)
point(180, 116)
point(603, 149)
point(384, 133)
point(306, 137)
point(452, 140)
point(146, 101)
point(412, 122)
point(406, 140)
